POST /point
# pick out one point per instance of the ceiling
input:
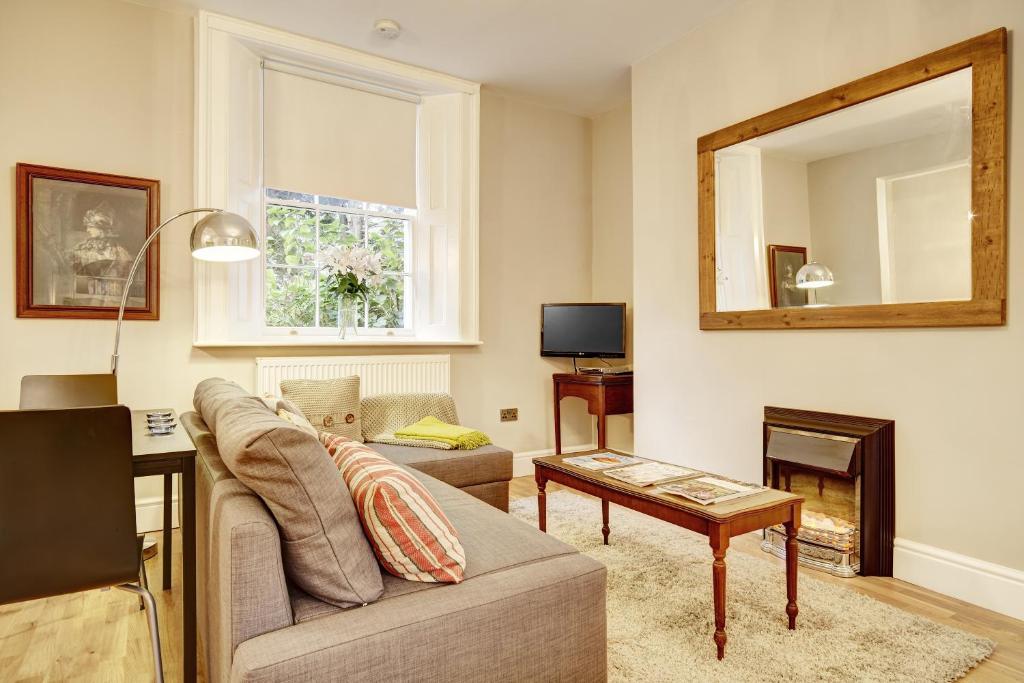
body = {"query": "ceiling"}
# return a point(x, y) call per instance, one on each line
point(568, 54)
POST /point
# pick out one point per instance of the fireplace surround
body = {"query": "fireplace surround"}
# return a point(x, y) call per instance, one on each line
point(844, 466)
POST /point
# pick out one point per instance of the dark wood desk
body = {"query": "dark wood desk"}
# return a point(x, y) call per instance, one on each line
point(605, 395)
point(167, 455)
point(719, 521)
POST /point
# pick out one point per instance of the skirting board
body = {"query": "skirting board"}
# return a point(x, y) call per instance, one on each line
point(149, 513)
point(988, 585)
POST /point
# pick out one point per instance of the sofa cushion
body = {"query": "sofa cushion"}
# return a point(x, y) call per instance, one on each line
point(407, 529)
point(323, 545)
point(384, 414)
point(331, 405)
point(458, 468)
point(493, 540)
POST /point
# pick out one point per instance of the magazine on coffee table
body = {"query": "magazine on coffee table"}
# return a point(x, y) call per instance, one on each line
point(710, 489)
point(648, 473)
point(601, 461)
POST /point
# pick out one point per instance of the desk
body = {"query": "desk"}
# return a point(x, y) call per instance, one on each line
point(605, 395)
point(168, 455)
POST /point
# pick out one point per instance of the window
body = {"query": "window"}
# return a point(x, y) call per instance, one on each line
point(297, 226)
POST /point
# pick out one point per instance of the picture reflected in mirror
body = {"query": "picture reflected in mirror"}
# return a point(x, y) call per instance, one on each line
point(867, 205)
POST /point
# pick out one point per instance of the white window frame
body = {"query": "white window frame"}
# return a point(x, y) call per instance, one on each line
point(228, 156)
point(406, 330)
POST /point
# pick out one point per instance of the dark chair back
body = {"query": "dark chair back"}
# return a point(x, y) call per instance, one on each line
point(68, 391)
point(67, 502)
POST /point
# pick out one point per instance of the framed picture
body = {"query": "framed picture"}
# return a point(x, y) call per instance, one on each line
point(78, 233)
point(783, 264)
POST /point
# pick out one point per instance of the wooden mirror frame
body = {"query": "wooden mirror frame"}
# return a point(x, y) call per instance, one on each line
point(986, 54)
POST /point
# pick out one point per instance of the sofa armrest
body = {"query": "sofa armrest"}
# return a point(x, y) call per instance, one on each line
point(246, 594)
point(542, 621)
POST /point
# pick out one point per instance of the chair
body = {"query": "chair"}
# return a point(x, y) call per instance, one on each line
point(76, 391)
point(51, 466)
point(67, 391)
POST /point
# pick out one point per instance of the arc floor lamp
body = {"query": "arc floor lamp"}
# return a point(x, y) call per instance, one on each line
point(221, 236)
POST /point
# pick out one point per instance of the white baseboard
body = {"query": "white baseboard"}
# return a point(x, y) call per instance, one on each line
point(149, 513)
point(522, 463)
point(988, 585)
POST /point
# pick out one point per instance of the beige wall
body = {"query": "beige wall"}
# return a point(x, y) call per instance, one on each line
point(612, 278)
point(108, 87)
point(787, 219)
point(954, 393)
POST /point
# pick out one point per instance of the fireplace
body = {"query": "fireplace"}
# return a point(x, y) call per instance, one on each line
point(843, 466)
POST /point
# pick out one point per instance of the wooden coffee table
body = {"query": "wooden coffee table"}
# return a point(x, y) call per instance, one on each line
point(719, 521)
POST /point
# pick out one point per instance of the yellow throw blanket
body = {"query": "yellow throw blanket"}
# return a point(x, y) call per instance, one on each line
point(432, 429)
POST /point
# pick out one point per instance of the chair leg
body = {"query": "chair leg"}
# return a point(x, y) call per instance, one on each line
point(154, 631)
point(143, 579)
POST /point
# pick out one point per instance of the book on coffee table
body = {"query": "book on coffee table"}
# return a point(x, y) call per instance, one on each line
point(601, 461)
point(710, 489)
point(648, 473)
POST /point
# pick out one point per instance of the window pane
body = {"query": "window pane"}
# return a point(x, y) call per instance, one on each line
point(291, 297)
point(385, 208)
point(344, 203)
point(341, 229)
point(291, 235)
point(387, 303)
point(386, 236)
point(293, 196)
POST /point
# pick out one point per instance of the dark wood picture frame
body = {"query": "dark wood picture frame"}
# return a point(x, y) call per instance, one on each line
point(773, 250)
point(26, 175)
point(986, 55)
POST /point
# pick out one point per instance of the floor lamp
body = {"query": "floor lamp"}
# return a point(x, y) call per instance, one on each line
point(221, 236)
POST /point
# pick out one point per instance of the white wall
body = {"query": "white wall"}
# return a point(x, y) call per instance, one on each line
point(954, 393)
point(106, 85)
point(612, 276)
point(787, 218)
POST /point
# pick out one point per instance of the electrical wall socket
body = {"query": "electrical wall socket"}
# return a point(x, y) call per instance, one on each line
point(509, 414)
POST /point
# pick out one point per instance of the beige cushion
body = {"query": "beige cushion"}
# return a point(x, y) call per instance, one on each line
point(384, 414)
point(324, 550)
point(330, 405)
point(299, 421)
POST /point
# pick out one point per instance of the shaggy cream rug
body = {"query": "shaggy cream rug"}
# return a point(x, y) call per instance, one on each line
point(660, 614)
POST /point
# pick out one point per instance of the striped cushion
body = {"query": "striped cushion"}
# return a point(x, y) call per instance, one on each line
point(407, 529)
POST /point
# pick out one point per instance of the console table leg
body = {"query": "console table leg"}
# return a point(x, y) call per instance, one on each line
point(719, 544)
point(605, 529)
point(792, 554)
point(542, 503)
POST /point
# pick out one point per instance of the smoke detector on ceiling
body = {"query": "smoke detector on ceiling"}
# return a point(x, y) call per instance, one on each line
point(387, 29)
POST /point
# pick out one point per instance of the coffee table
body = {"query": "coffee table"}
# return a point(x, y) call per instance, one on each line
point(718, 521)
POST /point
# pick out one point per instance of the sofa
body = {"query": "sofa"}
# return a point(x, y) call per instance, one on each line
point(530, 607)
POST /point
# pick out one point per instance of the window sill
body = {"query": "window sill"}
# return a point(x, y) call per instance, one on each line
point(286, 341)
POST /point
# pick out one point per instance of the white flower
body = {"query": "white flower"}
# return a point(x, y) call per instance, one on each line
point(359, 261)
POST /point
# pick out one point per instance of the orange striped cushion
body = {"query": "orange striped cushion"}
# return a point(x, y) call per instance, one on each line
point(409, 532)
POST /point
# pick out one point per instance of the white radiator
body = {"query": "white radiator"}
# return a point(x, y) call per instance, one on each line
point(377, 374)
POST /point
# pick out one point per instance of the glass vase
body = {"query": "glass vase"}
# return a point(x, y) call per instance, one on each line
point(347, 316)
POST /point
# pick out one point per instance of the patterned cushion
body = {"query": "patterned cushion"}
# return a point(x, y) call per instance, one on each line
point(330, 405)
point(386, 413)
point(408, 531)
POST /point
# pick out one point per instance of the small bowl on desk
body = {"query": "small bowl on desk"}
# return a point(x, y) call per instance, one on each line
point(162, 429)
point(160, 414)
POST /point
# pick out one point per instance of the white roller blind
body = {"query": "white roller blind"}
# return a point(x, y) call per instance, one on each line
point(322, 138)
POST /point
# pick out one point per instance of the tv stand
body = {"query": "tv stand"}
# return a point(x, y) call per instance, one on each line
point(605, 395)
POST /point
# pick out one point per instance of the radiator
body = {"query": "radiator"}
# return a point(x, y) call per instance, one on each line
point(377, 374)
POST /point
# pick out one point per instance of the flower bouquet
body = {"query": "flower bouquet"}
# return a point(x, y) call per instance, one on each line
point(352, 272)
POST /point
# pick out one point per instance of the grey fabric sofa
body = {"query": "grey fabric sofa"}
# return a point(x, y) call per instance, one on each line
point(530, 608)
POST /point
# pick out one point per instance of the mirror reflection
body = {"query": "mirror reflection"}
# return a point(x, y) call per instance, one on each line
point(867, 205)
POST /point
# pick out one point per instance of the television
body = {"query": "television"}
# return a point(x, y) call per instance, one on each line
point(583, 330)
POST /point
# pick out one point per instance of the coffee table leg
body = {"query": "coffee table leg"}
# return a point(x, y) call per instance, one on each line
point(719, 537)
point(605, 529)
point(542, 503)
point(792, 553)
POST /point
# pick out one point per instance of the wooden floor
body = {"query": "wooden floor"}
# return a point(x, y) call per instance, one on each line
point(93, 636)
point(1005, 665)
point(102, 635)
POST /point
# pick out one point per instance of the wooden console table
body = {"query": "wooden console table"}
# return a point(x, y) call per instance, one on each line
point(605, 395)
point(719, 522)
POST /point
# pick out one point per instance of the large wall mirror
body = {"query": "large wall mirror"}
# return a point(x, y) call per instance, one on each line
point(880, 203)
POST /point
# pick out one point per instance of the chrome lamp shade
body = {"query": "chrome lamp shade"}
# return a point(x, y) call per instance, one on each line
point(225, 237)
point(813, 275)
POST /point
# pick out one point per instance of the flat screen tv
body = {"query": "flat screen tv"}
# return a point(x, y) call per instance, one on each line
point(583, 330)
